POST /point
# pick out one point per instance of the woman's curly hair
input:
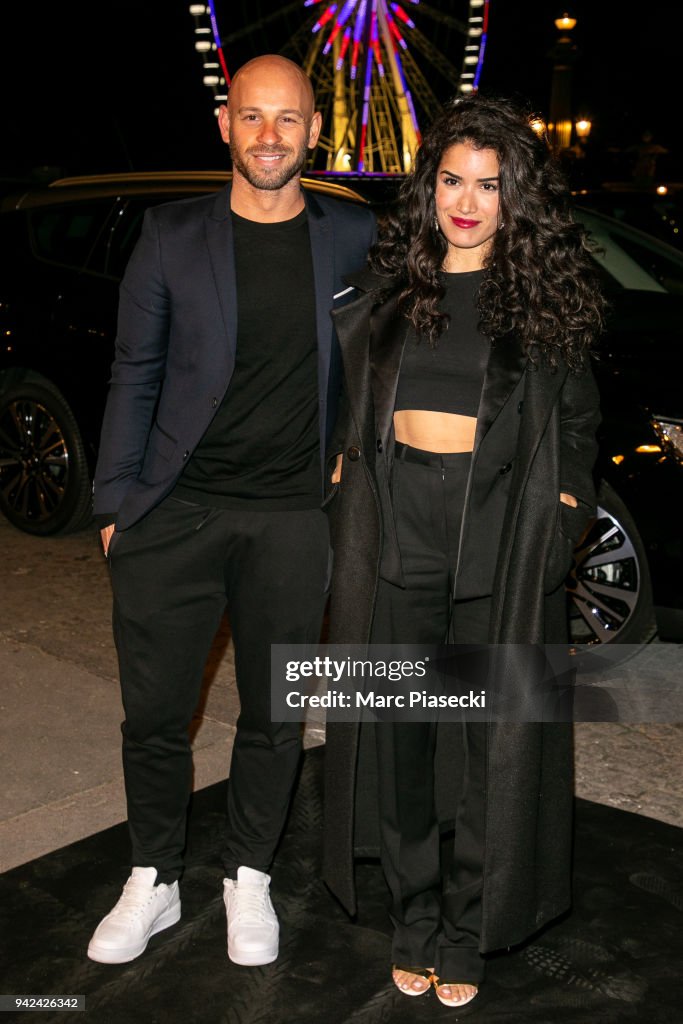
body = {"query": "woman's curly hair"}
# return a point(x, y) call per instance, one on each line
point(539, 279)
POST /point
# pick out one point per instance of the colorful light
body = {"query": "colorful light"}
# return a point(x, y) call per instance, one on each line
point(327, 16)
point(359, 22)
point(217, 41)
point(482, 45)
point(368, 41)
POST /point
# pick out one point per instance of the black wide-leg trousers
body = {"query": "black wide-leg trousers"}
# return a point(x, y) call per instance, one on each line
point(437, 921)
point(173, 573)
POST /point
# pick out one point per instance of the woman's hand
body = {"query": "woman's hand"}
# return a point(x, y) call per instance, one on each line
point(337, 471)
point(568, 499)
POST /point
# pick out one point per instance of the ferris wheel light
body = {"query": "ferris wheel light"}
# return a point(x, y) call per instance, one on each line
point(197, 9)
point(474, 33)
point(346, 12)
point(471, 60)
point(466, 87)
point(327, 16)
point(202, 46)
point(566, 23)
point(344, 47)
point(396, 34)
point(211, 80)
point(402, 16)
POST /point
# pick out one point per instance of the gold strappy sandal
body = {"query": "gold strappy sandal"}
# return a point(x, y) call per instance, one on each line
point(439, 983)
point(420, 972)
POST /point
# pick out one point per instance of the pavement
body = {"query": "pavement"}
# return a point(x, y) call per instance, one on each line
point(60, 709)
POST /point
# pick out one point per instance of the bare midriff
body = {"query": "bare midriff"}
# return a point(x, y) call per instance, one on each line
point(442, 432)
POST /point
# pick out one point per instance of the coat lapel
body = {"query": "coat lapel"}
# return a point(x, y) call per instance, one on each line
point(372, 314)
point(506, 365)
point(219, 240)
point(388, 333)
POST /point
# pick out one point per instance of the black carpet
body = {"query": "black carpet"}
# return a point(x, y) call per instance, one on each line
point(616, 958)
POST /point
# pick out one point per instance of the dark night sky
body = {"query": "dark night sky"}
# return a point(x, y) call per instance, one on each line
point(96, 87)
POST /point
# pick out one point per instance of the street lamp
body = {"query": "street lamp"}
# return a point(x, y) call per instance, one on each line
point(563, 55)
point(582, 127)
point(565, 24)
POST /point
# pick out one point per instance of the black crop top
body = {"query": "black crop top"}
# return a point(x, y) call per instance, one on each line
point(449, 376)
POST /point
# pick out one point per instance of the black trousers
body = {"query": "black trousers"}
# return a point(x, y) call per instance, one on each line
point(437, 921)
point(173, 574)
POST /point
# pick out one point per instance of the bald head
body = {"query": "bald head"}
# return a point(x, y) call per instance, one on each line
point(276, 71)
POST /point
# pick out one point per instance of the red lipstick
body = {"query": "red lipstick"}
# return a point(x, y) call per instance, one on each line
point(461, 222)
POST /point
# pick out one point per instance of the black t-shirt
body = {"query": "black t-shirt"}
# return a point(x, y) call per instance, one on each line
point(448, 376)
point(263, 443)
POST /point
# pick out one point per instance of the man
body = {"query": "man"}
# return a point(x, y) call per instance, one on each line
point(223, 392)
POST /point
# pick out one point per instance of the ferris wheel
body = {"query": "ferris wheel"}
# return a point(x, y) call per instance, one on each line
point(381, 69)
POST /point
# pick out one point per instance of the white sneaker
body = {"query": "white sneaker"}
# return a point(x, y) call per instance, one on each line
point(143, 910)
point(253, 929)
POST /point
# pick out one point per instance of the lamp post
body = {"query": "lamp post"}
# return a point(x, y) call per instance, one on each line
point(563, 55)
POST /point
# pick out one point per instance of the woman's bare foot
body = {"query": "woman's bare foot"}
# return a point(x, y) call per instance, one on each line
point(411, 984)
point(455, 995)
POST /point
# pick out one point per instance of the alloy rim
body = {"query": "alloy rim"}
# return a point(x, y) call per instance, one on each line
point(34, 460)
point(604, 583)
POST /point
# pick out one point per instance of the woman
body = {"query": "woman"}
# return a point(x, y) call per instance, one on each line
point(467, 444)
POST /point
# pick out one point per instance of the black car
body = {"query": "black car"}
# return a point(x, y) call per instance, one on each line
point(657, 210)
point(65, 248)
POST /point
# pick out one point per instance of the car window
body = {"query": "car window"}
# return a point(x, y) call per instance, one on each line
point(633, 259)
point(124, 230)
point(67, 234)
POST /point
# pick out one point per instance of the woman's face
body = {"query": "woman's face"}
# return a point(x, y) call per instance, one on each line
point(467, 204)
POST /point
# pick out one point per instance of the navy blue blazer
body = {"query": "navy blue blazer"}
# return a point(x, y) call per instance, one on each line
point(177, 335)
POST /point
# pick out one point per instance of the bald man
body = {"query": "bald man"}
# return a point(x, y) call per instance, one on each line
point(208, 491)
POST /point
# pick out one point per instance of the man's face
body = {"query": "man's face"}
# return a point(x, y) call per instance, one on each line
point(269, 125)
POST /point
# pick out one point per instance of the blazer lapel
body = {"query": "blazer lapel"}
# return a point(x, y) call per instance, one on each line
point(219, 238)
point(322, 251)
point(506, 365)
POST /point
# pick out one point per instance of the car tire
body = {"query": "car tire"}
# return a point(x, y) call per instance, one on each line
point(609, 588)
point(44, 478)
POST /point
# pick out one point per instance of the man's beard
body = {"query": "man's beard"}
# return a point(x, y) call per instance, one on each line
point(278, 176)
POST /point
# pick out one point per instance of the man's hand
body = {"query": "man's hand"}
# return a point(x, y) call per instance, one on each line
point(568, 499)
point(337, 471)
point(106, 534)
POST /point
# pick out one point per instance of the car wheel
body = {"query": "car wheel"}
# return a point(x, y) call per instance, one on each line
point(44, 478)
point(610, 594)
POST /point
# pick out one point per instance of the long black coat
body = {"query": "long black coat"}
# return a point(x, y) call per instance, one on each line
point(535, 437)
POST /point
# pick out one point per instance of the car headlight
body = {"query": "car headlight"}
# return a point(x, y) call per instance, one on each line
point(670, 433)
